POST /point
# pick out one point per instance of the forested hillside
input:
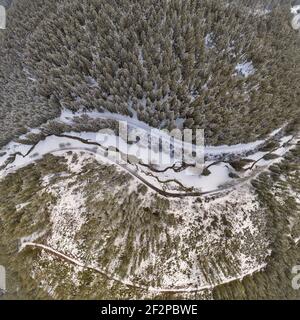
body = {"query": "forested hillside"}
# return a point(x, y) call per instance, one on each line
point(20, 105)
point(226, 66)
point(87, 215)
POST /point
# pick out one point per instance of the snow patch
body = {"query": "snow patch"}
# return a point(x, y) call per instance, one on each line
point(67, 217)
point(295, 9)
point(245, 69)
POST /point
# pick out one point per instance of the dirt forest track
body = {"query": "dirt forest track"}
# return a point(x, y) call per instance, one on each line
point(131, 284)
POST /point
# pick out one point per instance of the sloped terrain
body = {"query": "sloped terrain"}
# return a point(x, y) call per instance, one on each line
point(97, 225)
point(75, 222)
point(198, 64)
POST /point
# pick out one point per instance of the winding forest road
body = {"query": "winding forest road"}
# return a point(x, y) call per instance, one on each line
point(164, 193)
point(136, 286)
point(103, 153)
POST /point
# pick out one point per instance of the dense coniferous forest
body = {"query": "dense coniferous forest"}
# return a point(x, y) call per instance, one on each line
point(229, 67)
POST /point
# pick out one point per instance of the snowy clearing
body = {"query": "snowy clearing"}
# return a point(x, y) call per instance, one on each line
point(150, 167)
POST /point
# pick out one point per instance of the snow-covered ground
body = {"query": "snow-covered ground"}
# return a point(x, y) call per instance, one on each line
point(67, 116)
point(188, 258)
point(139, 153)
point(182, 271)
point(190, 177)
point(295, 9)
point(246, 69)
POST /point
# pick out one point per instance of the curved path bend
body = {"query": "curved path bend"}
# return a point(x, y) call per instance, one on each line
point(136, 286)
point(239, 182)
